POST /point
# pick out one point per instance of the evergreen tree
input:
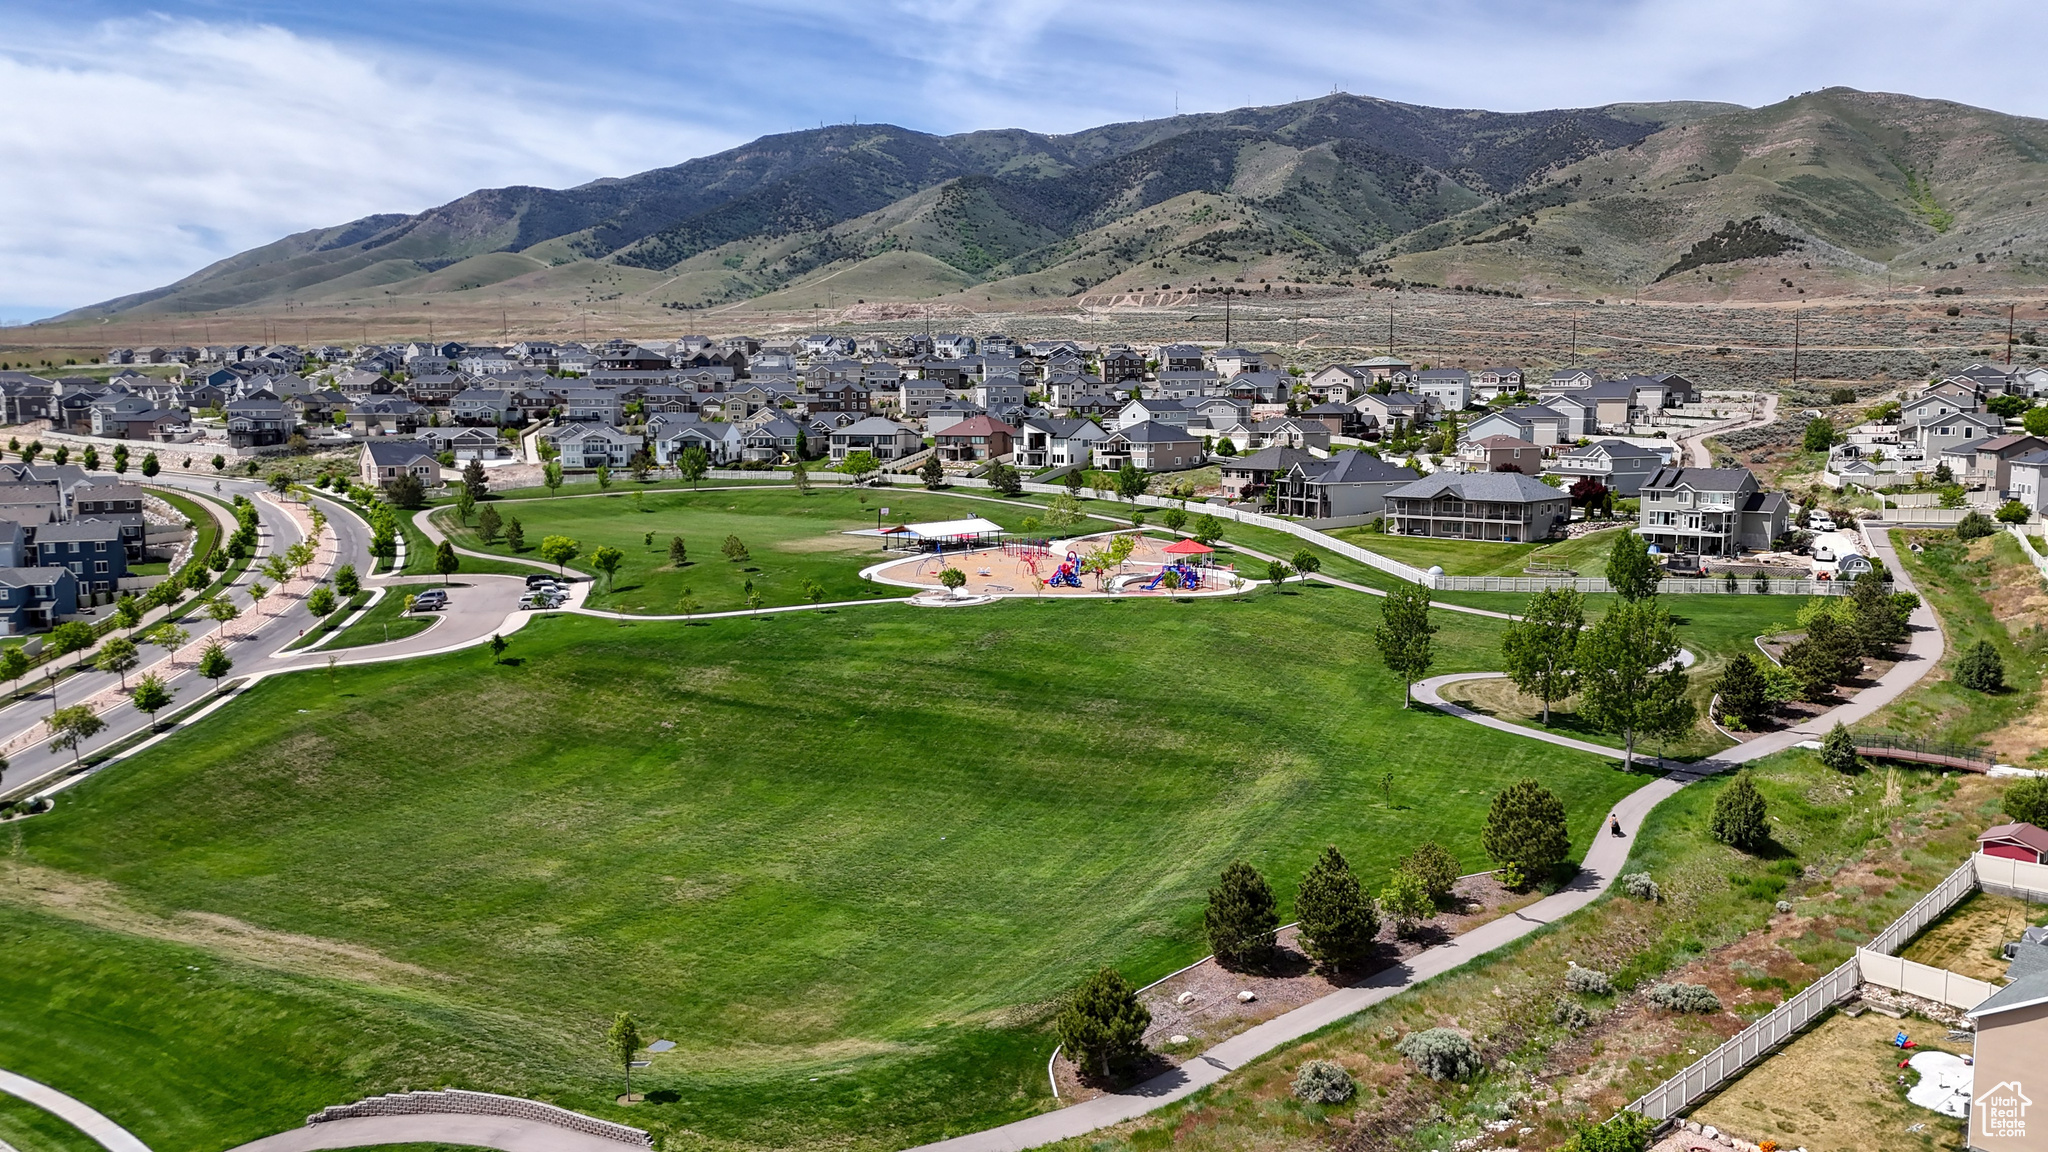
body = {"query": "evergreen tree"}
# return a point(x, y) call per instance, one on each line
point(1240, 918)
point(488, 523)
point(1338, 920)
point(1744, 693)
point(1879, 617)
point(1525, 829)
point(2026, 800)
point(1980, 669)
point(1831, 654)
point(1838, 750)
point(1102, 1026)
point(474, 480)
point(1740, 818)
point(1539, 648)
point(1631, 571)
point(1434, 865)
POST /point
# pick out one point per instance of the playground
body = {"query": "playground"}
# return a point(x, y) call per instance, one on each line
point(1079, 566)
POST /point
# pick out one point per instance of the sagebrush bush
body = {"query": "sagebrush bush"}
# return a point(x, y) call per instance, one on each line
point(1323, 1082)
point(1639, 886)
point(1684, 997)
point(1591, 981)
point(1440, 1053)
point(1571, 1013)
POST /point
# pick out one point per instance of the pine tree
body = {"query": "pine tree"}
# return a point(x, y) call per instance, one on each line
point(1980, 669)
point(1525, 829)
point(1102, 1027)
point(1838, 750)
point(1338, 920)
point(1740, 818)
point(1240, 918)
point(1743, 692)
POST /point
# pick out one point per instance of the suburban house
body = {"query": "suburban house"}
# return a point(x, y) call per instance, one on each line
point(1339, 383)
point(1340, 419)
point(92, 549)
point(1151, 446)
point(1500, 454)
point(117, 504)
point(1230, 362)
point(385, 460)
point(33, 599)
point(1934, 433)
point(1710, 512)
point(1989, 463)
point(2010, 1045)
point(673, 437)
point(1618, 465)
point(258, 422)
point(1156, 409)
point(1179, 357)
point(1395, 411)
point(1353, 483)
point(1477, 506)
point(1450, 388)
point(914, 397)
point(492, 406)
point(1535, 423)
point(2028, 481)
point(1280, 431)
point(1488, 383)
point(884, 438)
point(979, 438)
point(589, 445)
point(1246, 476)
point(465, 443)
point(1053, 441)
point(1388, 370)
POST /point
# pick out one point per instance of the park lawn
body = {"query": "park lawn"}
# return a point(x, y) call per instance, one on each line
point(27, 1128)
point(789, 538)
point(844, 858)
point(420, 552)
point(343, 610)
point(1585, 555)
point(387, 619)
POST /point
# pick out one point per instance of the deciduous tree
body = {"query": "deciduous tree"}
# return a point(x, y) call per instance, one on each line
point(622, 1040)
point(118, 656)
point(151, 695)
point(1540, 648)
point(71, 727)
point(1631, 571)
point(1403, 636)
point(606, 559)
point(1406, 901)
point(559, 550)
point(1629, 680)
point(693, 463)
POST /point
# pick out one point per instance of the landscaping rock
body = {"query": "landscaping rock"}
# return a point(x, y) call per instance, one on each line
point(1184, 998)
point(1247, 996)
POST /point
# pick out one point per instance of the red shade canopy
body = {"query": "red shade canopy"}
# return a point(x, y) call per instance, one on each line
point(1187, 547)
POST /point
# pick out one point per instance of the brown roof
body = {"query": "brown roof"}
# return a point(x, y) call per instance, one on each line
point(1504, 442)
point(2020, 833)
point(979, 426)
point(2001, 443)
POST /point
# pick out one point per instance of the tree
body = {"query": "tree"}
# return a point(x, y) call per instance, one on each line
point(1208, 529)
point(29, 454)
point(405, 491)
point(931, 472)
point(1740, 818)
point(1629, 680)
point(222, 610)
point(551, 476)
point(515, 534)
point(1589, 493)
point(687, 604)
point(498, 646)
point(1820, 435)
point(151, 696)
point(1830, 654)
point(219, 462)
point(622, 1040)
point(72, 727)
point(1130, 482)
point(606, 559)
point(346, 581)
point(73, 636)
point(1006, 480)
point(120, 459)
point(1305, 563)
point(1240, 918)
point(1631, 571)
point(118, 655)
point(604, 478)
point(1102, 1025)
point(1539, 648)
point(678, 552)
point(559, 550)
point(13, 664)
point(1744, 692)
point(1063, 513)
point(813, 591)
point(277, 567)
point(465, 503)
point(127, 611)
point(2036, 421)
point(1276, 572)
point(1980, 669)
point(860, 465)
point(446, 562)
point(1838, 750)
point(320, 601)
point(1404, 635)
point(2026, 800)
point(474, 480)
point(150, 466)
point(953, 578)
point(1975, 526)
point(1406, 900)
point(1338, 920)
point(1880, 617)
point(488, 523)
point(91, 458)
point(2013, 512)
point(256, 594)
point(734, 549)
point(1525, 829)
point(170, 638)
point(1434, 865)
point(801, 477)
point(693, 463)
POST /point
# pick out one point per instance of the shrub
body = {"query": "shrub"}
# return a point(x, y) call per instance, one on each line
point(1625, 1131)
point(1434, 865)
point(1639, 886)
point(1440, 1053)
point(1571, 1014)
point(1838, 750)
point(1590, 981)
point(1980, 669)
point(1740, 818)
point(1975, 526)
point(2027, 800)
point(1525, 828)
point(1406, 901)
point(1324, 1082)
point(1680, 997)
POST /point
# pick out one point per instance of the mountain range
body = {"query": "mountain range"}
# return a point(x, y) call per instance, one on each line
point(1821, 194)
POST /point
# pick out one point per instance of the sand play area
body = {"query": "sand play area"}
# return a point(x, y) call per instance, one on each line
point(1061, 569)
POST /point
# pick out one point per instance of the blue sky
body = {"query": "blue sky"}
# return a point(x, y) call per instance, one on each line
point(143, 141)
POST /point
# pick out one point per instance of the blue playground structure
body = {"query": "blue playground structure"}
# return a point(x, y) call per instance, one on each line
point(1069, 574)
point(1190, 577)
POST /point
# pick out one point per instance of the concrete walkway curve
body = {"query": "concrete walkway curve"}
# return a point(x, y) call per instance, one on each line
point(83, 1117)
point(506, 1133)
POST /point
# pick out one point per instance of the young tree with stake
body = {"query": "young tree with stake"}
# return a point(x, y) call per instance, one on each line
point(606, 559)
point(622, 1040)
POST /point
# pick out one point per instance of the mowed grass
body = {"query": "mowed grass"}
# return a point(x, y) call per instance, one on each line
point(387, 619)
point(789, 539)
point(27, 1128)
point(845, 859)
point(1586, 555)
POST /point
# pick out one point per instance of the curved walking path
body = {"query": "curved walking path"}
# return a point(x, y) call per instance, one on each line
point(83, 1117)
point(507, 1133)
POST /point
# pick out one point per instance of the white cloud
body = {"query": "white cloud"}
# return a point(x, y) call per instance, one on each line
point(148, 148)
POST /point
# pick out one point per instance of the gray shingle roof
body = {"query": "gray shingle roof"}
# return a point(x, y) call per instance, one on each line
point(1501, 487)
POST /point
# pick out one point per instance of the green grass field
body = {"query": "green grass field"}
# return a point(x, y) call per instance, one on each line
point(789, 538)
point(843, 858)
point(387, 619)
point(1586, 555)
point(27, 1128)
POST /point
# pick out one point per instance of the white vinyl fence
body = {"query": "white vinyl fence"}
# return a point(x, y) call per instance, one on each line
point(2015, 878)
point(1923, 980)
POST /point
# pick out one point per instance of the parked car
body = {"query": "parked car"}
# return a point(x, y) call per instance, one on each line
point(539, 578)
point(433, 599)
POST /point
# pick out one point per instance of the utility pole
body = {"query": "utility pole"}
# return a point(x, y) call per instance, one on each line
point(2009, 309)
point(1795, 349)
point(1390, 327)
point(1575, 341)
point(1226, 318)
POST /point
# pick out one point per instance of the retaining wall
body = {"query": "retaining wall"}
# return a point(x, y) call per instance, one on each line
point(458, 1102)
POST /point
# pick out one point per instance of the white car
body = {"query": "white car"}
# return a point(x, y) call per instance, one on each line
point(1820, 522)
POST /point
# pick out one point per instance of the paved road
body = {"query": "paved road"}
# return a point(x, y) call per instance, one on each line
point(83, 1117)
point(1693, 445)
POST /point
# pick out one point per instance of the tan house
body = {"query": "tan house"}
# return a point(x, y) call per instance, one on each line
point(2011, 1059)
point(1501, 454)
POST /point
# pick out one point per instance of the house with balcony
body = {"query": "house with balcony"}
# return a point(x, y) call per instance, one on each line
point(383, 461)
point(1710, 512)
point(1055, 441)
point(1621, 467)
point(883, 437)
point(259, 422)
point(1346, 484)
point(1500, 454)
point(589, 445)
point(93, 550)
point(1506, 506)
point(35, 599)
point(976, 438)
point(1151, 446)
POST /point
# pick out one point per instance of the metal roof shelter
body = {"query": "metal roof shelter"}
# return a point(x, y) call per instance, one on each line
point(973, 532)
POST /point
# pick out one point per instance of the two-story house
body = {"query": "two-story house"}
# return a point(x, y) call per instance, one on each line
point(34, 599)
point(880, 436)
point(92, 549)
point(1506, 506)
point(1710, 512)
point(1054, 441)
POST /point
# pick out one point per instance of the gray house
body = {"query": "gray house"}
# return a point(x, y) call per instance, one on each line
point(1622, 467)
point(1710, 512)
point(885, 438)
point(1477, 506)
point(1354, 483)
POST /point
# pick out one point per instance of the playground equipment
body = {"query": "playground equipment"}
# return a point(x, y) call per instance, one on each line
point(1068, 575)
point(1190, 577)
